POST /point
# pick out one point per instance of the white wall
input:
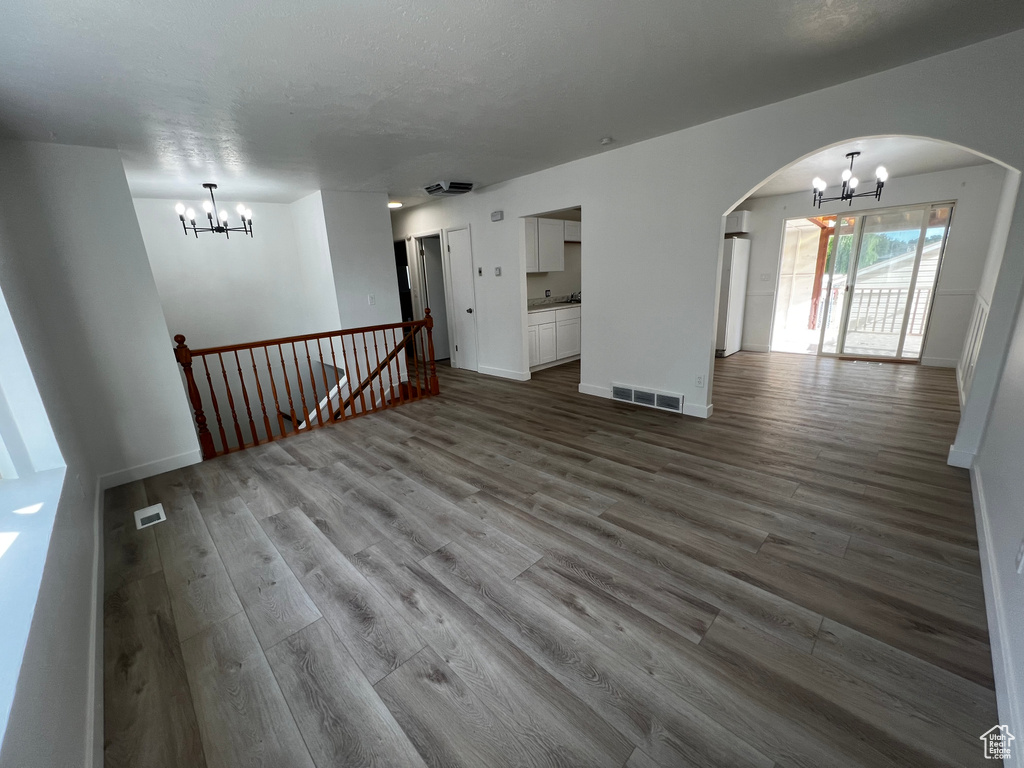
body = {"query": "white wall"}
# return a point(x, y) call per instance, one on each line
point(362, 257)
point(77, 282)
point(976, 190)
point(218, 291)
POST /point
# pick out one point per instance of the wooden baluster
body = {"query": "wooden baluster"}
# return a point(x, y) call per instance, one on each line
point(370, 380)
point(402, 390)
point(216, 408)
point(359, 376)
point(435, 387)
point(259, 393)
point(231, 402)
point(245, 397)
point(380, 373)
point(413, 330)
point(302, 390)
point(312, 383)
point(273, 389)
point(348, 371)
point(327, 387)
point(340, 413)
point(421, 337)
point(288, 390)
point(184, 357)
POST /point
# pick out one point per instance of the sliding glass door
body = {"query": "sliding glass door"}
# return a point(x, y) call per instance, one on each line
point(874, 277)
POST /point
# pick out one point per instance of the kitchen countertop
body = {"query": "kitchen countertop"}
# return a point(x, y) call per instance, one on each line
point(549, 307)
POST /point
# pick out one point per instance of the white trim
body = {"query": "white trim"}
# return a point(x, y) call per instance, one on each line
point(959, 458)
point(142, 471)
point(504, 373)
point(755, 348)
point(1004, 669)
point(700, 411)
point(590, 389)
point(760, 293)
point(94, 682)
point(955, 292)
point(940, 362)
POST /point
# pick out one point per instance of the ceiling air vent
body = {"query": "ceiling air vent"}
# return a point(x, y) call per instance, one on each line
point(449, 188)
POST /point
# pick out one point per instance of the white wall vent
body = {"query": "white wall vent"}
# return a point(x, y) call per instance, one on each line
point(663, 401)
point(148, 516)
point(449, 188)
point(622, 393)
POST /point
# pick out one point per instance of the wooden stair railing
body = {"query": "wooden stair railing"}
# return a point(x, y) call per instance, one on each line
point(300, 389)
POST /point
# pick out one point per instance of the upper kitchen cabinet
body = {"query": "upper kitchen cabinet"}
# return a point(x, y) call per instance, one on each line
point(532, 255)
point(545, 244)
point(573, 232)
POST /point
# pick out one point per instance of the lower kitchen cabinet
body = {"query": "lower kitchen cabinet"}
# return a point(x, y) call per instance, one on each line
point(553, 335)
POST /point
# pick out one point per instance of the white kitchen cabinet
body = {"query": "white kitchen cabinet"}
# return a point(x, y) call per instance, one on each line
point(567, 338)
point(573, 232)
point(547, 351)
point(532, 260)
point(545, 244)
point(551, 245)
point(534, 337)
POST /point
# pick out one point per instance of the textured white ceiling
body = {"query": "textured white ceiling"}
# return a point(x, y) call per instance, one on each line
point(273, 100)
point(901, 155)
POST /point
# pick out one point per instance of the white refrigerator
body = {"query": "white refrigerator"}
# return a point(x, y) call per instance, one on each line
point(733, 296)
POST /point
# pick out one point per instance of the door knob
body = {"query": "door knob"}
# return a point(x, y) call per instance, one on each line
point(470, 310)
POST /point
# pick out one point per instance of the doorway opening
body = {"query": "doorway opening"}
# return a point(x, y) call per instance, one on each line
point(860, 284)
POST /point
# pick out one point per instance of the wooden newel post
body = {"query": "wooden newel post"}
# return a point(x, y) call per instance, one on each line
point(435, 388)
point(184, 356)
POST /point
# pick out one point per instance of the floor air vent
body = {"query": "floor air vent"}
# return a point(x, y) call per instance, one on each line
point(663, 401)
point(148, 516)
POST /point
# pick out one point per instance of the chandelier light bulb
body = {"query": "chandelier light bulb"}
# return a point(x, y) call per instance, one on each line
point(179, 209)
point(847, 174)
point(241, 209)
point(207, 206)
point(881, 174)
point(223, 215)
point(248, 213)
point(191, 214)
point(854, 181)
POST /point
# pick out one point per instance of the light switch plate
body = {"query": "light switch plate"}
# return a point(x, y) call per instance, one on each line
point(371, 299)
point(497, 271)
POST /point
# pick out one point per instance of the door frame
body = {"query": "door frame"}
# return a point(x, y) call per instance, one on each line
point(419, 280)
point(446, 259)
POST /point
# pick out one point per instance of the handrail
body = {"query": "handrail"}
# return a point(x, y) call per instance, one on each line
point(297, 374)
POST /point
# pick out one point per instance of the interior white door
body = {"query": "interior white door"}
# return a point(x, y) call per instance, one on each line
point(433, 272)
point(460, 256)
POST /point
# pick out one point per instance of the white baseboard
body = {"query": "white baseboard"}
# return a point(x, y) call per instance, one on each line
point(122, 476)
point(94, 694)
point(553, 364)
point(756, 348)
point(1005, 670)
point(700, 411)
point(590, 389)
point(504, 373)
point(939, 362)
point(959, 458)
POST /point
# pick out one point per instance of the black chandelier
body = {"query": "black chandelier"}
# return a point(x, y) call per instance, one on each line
point(218, 221)
point(850, 183)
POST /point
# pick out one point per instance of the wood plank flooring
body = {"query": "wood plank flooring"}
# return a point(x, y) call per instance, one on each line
point(516, 574)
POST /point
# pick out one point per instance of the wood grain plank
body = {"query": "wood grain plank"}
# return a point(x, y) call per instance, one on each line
point(341, 717)
point(242, 715)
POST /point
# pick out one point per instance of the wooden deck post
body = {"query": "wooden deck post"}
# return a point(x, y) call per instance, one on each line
point(184, 356)
point(435, 387)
